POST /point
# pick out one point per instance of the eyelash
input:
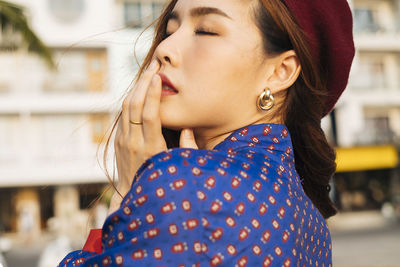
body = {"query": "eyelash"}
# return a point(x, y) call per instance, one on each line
point(201, 32)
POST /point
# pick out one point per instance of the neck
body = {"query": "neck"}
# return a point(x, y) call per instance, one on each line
point(208, 138)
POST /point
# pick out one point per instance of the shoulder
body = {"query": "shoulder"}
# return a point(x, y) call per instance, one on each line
point(175, 177)
point(246, 178)
point(243, 202)
point(249, 166)
point(176, 162)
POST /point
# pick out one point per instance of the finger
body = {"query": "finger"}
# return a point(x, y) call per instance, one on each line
point(135, 100)
point(138, 98)
point(151, 113)
point(124, 116)
point(126, 105)
point(187, 139)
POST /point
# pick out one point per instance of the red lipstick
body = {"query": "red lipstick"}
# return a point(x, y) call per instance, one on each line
point(167, 84)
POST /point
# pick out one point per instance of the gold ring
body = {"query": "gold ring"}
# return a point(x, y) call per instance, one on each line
point(136, 122)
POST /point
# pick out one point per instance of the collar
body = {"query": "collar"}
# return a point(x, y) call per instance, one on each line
point(269, 136)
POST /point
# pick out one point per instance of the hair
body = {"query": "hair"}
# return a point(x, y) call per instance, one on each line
point(301, 111)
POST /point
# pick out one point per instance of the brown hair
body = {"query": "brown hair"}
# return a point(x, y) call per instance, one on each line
point(302, 110)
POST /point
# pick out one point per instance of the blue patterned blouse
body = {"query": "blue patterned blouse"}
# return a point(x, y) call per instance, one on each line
point(240, 204)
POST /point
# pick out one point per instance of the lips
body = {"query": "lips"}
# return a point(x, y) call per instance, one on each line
point(167, 82)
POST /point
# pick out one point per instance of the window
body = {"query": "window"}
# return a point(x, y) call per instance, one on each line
point(375, 16)
point(4, 87)
point(58, 137)
point(10, 38)
point(133, 14)
point(368, 72)
point(71, 74)
point(138, 14)
point(96, 62)
point(67, 10)
point(398, 69)
point(9, 137)
point(378, 129)
point(77, 71)
point(365, 20)
point(7, 67)
point(381, 125)
point(157, 8)
point(100, 123)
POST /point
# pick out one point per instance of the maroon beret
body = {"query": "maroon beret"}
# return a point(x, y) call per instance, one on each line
point(328, 25)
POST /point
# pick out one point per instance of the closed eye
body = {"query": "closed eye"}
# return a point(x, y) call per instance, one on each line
point(205, 32)
point(200, 32)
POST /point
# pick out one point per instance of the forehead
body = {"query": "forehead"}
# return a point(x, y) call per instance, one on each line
point(241, 30)
point(234, 9)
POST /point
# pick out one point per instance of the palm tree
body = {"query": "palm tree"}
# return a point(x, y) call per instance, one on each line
point(16, 32)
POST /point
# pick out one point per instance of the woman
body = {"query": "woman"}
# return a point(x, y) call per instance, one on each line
point(221, 158)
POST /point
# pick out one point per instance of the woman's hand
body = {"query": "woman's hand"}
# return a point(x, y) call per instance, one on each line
point(135, 143)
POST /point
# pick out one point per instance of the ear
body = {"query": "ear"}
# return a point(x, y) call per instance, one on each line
point(286, 70)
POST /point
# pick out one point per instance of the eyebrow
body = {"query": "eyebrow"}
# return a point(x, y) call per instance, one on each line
point(200, 11)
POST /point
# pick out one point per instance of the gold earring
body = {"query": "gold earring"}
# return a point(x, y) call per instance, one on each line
point(266, 100)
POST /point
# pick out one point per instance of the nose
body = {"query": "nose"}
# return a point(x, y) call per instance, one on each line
point(167, 52)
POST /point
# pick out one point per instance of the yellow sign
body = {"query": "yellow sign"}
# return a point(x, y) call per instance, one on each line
point(366, 158)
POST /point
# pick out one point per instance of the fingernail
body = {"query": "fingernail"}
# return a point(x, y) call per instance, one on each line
point(186, 133)
point(153, 64)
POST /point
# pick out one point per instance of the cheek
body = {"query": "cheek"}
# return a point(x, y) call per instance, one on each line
point(219, 72)
point(216, 64)
point(218, 77)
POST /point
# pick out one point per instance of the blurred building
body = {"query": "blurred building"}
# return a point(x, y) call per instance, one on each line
point(368, 114)
point(52, 122)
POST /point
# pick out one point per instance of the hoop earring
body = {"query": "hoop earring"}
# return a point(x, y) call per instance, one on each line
point(266, 100)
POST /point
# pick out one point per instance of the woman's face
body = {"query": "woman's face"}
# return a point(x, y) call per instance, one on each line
point(219, 75)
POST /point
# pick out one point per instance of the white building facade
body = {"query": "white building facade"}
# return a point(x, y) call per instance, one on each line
point(368, 113)
point(52, 122)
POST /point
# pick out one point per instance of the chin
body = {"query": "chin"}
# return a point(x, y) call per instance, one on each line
point(170, 122)
point(175, 124)
point(170, 117)
point(176, 120)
